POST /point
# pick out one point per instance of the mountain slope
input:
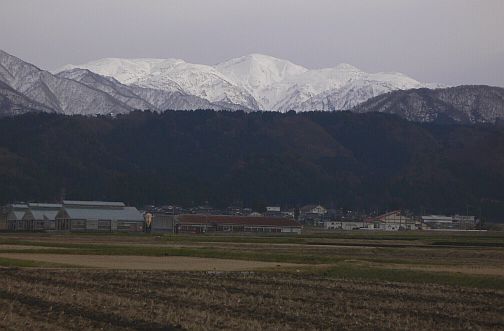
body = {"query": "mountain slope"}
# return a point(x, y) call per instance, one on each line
point(137, 97)
point(108, 85)
point(58, 94)
point(463, 104)
point(174, 75)
point(176, 100)
point(346, 160)
point(355, 88)
point(14, 103)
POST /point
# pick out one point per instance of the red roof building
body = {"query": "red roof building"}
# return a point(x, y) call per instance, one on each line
point(224, 223)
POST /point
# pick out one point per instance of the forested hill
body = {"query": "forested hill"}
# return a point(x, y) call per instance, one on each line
point(371, 161)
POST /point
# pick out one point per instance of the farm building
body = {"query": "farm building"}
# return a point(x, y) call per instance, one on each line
point(4, 211)
point(437, 222)
point(97, 216)
point(441, 222)
point(393, 221)
point(160, 222)
point(15, 216)
point(214, 223)
point(41, 216)
point(465, 222)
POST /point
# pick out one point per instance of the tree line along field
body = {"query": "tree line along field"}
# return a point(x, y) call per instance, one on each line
point(353, 281)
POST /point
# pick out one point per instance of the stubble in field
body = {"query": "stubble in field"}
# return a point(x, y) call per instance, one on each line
point(152, 300)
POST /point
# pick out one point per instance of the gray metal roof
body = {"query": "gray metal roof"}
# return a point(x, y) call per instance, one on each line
point(16, 215)
point(45, 205)
point(42, 214)
point(93, 203)
point(20, 206)
point(120, 214)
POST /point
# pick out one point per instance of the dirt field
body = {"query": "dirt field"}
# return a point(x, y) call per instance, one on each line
point(463, 269)
point(347, 281)
point(136, 300)
point(25, 247)
point(171, 263)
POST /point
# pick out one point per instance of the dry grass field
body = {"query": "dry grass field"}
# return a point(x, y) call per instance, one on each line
point(90, 299)
point(343, 281)
point(167, 263)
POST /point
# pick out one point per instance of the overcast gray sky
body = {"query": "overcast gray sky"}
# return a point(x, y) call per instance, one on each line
point(446, 41)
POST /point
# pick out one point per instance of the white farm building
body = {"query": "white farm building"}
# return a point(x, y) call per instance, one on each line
point(98, 216)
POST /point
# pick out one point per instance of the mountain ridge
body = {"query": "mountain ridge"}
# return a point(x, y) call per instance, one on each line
point(462, 104)
point(254, 82)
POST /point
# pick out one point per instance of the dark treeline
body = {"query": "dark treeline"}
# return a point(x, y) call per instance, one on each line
point(368, 161)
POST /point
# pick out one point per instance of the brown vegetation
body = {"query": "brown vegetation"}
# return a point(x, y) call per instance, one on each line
point(344, 281)
point(148, 300)
point(168, 263)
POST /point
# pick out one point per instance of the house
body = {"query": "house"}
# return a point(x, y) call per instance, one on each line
point(41, 216)
point(15, 216)
point(343, 225)
point(392, 221)
point(312, 214)
point(98, 216)
point(226, 223)
point(273, 211)
point(313, 209)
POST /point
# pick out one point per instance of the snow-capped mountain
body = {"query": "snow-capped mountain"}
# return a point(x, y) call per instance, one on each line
point(108, 85)
point(55, 93)
point(138, 97)
point(173, 75)
point(252, 82)
point(354, 91)
point(26, 88)
point(255, 82)
point(14, 103)
point(262, 76)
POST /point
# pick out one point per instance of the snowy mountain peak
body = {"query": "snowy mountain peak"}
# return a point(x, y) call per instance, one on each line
point(255, 81)
point(251, 82)
point(256, 71)
point(346, 67)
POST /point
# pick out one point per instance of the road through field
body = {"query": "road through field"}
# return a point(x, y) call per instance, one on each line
point(170, 263)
